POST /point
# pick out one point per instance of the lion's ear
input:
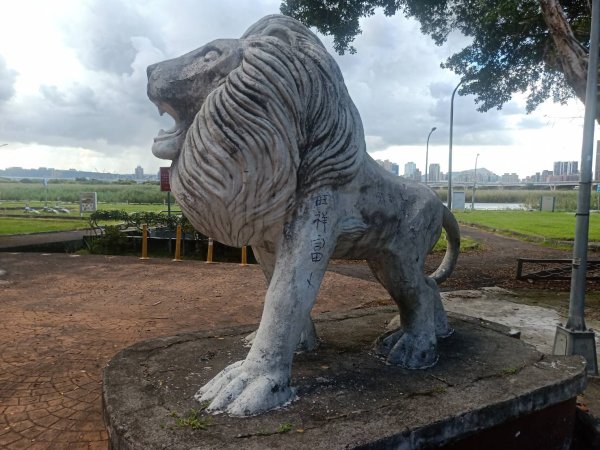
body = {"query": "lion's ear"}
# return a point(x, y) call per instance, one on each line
point(282, 33)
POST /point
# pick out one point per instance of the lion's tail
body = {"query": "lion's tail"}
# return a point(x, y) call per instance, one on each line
point(453, 247)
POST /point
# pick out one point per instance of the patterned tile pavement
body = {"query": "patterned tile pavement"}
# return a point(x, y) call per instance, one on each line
point(63, 317)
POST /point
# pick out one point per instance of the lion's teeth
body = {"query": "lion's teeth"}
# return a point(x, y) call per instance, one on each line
point(161, 111)
point(161, 131)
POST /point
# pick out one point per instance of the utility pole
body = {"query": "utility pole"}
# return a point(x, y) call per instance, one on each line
point(575, 338)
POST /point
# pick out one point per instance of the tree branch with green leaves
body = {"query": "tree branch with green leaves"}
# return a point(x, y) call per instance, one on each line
point(536, 47)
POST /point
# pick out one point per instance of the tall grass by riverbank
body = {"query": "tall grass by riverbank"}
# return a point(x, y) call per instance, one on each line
point(127, 192)
point(69, 192)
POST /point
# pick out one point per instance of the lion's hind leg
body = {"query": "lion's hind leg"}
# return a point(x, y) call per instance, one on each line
point(414, 346)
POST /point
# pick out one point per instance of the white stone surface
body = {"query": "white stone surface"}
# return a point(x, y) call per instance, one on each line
point(268, 150)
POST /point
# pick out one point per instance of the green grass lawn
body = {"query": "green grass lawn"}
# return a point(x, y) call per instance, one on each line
point(535, 224)
point(69, 191)
point(17, 225)
point(9, 224)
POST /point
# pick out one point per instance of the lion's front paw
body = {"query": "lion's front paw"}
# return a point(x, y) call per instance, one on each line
point(245, 391)
point(407, 350)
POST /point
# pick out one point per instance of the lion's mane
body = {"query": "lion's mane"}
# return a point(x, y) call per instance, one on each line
point(279, 126)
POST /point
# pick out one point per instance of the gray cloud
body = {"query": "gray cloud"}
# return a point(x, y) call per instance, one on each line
point(395, 79)
point(7, 81)
point(531, 123)
point(470, 126)
point(108, 108)
point(79, 116)
point(192, 23)
point(103, 110)
point(102, 36)
point(53, 95)
point(387, 79)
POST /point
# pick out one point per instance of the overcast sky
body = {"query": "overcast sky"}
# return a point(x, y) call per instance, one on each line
point(73, 88)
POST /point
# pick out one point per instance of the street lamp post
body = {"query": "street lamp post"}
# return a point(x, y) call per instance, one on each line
point(427, 155)
point(474, 185)
point(450, 146)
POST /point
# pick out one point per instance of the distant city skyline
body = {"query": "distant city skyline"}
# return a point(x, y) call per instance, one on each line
point(549, 166)
point(52, 173)
point(516, 166)
point(562, 171)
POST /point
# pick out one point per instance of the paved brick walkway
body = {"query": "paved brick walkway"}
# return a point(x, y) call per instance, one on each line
point(63, 317)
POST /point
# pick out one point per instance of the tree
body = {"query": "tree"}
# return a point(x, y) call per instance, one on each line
point(538, 47)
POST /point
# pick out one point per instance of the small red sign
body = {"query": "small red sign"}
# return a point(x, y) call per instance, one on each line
point(165, 185)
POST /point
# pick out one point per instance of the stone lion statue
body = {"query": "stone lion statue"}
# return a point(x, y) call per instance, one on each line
point(268, 150)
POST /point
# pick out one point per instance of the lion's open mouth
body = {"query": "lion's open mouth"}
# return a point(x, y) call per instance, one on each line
point(176, 129)
point(168, 143)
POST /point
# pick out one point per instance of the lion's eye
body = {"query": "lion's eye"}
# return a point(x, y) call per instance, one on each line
point(211, 55)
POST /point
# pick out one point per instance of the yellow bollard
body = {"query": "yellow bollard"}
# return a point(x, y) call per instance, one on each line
point(244, 256)
point(178, 244)
point(144, 242)
point(209, 257)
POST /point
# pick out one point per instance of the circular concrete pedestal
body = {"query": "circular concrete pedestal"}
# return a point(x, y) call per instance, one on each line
point(347, 397)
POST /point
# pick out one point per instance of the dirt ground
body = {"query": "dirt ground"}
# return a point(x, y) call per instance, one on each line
point(493, 265)
point(62, 317)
